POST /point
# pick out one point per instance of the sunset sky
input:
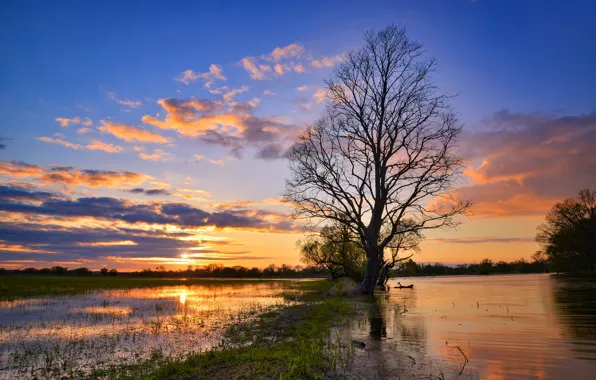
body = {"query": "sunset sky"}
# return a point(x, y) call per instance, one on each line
point(136, 134)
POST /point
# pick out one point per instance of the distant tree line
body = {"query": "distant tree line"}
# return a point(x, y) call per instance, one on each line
point(538, 264)
point(486, 266)
point(211, 270)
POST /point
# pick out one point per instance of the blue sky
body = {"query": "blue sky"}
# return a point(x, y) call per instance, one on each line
point(83, 59)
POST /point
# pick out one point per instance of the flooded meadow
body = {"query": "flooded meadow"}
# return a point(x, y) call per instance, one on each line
point(468, 327)
point(73, 335)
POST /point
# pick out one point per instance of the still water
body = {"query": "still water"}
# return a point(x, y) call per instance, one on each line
point(508, 327)
point(64, 336)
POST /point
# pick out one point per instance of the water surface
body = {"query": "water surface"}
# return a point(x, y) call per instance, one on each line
point(55, 336)
point(508, 326)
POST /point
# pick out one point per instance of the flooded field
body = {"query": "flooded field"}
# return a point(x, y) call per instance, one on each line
point(70, 335)
point(507, 327)
point(465, 327)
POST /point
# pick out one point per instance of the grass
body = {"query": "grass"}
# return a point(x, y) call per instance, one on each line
point(13, 287)
point(292, 343)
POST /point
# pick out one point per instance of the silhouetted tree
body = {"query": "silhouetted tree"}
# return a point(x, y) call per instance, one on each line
point(383, 150)
point(104, 271)
point(568, 236)
point(80, 272)
point(113, 272)
point(404, 240)
point(335, 250)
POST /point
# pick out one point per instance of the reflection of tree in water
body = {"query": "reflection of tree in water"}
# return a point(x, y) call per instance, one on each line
point(377, 321)
point(388, 317)
point(575, 301)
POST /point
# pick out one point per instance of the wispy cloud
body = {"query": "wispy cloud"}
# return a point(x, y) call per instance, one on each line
point(99, 145)
point(60, 142)
point(72, 176)
point(125, 102)
point(157, 155)
point(65, 122)
point(215, 73)
point(327, 62)
point(129, 133)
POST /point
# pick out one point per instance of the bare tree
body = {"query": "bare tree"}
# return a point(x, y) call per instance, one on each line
point(406, 240)
point(383, 151)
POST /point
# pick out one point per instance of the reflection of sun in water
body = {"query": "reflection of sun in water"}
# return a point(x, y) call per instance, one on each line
point(183, 297)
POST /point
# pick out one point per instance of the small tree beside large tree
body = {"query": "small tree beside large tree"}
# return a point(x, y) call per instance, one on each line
point(383, 151)
point(568, 236)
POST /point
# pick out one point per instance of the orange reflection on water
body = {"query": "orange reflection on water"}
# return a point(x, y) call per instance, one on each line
point(125, 325)
point(509, 327)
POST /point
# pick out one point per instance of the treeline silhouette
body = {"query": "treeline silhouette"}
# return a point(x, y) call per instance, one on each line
point(211, 270)
point(486, 266)
point(408, 268)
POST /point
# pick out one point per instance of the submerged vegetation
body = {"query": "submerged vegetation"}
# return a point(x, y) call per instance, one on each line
point(259, 330)
point(294, 342)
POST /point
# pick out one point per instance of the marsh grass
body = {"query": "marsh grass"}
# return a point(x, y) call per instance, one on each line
point(71, 336)
point(221, 329)
point(293, 342)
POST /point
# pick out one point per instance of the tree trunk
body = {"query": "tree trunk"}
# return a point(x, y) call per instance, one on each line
point(383, 277)
point(369, 281)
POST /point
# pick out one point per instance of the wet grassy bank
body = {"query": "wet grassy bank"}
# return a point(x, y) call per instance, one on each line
point(294, 342)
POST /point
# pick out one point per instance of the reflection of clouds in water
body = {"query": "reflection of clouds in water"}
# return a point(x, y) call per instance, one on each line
point(126, 324)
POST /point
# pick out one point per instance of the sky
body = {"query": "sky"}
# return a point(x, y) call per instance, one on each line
point(144, 133)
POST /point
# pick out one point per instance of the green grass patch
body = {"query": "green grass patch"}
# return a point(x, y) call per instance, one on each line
point(291, 343)
point(14, 287)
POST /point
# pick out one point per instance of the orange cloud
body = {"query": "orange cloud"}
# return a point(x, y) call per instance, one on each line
point(327, 62)
point(320, 95)
point(291, 51)
point(228, 96)
point(157, 155)
point(65, 122)
point(260, 70)
point(99, 145)
point(217, 162)
point(60, 142)
point(233, 205)
point(255, 72)
point(73, 176)
point(527, 162)
point(129, 133)
point(185, 117)
point(23, 249)
point(18, 169)
point(215, 72)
